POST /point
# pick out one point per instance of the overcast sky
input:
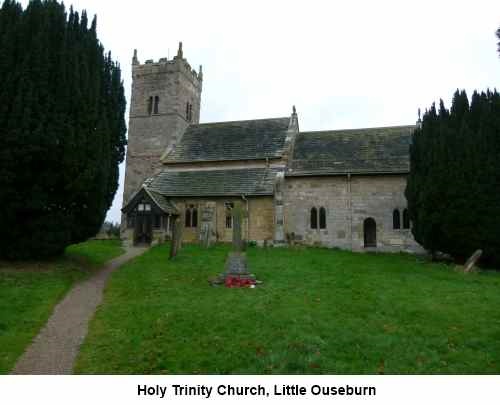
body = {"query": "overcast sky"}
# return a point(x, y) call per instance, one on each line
point(344, 64)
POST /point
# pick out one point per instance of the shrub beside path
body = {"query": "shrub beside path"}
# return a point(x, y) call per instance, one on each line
point(55, 348)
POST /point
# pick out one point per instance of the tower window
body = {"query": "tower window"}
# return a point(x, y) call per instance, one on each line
point(396, 219)
point(150, 105)
point(189, 111)
point(157, 102)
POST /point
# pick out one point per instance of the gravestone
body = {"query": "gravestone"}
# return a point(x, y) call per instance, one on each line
point(207, 232)
point(176, 242)
point(469, 264)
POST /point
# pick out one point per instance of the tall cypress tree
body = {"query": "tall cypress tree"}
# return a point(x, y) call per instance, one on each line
point(453, 185)
point(62, 110)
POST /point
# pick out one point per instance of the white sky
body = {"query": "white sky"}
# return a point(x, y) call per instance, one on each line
point(344, 64)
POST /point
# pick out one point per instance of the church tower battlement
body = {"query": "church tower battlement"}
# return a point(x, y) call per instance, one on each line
point(165, 100)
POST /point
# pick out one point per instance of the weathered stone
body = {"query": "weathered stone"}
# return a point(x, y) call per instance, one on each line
point(348, 202)
point(207, 233)
point(237, 214)
point(236, 264)
point(176, 242)
point(469, 264)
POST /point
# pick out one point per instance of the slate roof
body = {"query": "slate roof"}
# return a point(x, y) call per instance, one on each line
point(234, 140)
point(234, 182)
point(370, 150)
point(161, 202)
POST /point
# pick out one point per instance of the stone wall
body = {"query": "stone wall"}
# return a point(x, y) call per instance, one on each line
point(262, 221)
point(258, 226)
point(348, 201)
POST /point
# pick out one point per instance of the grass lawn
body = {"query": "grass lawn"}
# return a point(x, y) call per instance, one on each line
point(95, 252)
point(318, 311)
point(30, 290)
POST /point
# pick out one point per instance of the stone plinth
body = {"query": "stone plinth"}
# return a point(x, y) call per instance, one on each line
point(236, 272)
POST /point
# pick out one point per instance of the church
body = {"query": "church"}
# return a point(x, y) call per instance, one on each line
point(338, 188)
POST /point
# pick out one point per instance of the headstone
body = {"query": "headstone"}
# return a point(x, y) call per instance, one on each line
point(176, 243)
point(207, 234)
point(469, 264)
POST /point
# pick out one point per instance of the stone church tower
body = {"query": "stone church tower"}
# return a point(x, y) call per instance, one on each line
point(165, 100)
point(339, 188)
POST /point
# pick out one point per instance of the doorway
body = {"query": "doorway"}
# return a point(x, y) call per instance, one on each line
point(370, 232)
point(143, 229)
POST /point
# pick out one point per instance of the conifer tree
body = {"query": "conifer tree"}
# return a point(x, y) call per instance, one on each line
point(62, 111)
point(453, 185)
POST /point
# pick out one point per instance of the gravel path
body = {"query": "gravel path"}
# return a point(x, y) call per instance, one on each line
point(55, 348)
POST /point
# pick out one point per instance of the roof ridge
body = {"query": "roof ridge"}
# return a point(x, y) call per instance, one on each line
point(325, 131)
point(231, 122)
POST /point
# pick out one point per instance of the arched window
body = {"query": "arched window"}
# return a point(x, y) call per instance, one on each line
point(157, 102)
point(396, 219)
point(406, 219)
point(314, 218)
point(187, 111)
point(190, 112)
point(150, 105)
point(187, 222)
point(322, 218)
point(194, 220)
point(191, 219)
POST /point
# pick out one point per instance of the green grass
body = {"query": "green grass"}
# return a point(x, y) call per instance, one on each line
point(96, 252)
point(318, 311)
point(30, 290)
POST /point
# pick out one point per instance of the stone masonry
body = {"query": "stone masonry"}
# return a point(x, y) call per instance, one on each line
point(348, 201)
point(153, 131)
point(353, 178)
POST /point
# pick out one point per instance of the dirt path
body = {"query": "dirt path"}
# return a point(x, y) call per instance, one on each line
point(55, 348)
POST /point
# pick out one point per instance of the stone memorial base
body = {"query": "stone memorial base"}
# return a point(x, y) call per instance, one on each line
point(236, 272)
